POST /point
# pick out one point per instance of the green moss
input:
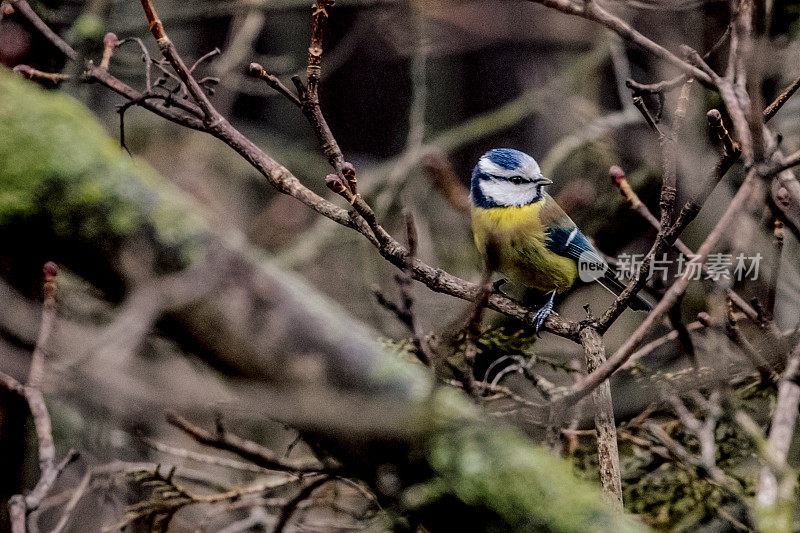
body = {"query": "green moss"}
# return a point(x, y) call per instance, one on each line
point(506, 482)
point(57, 161)
point(497, 469)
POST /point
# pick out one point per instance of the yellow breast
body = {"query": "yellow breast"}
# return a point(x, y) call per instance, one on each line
point(519, 238)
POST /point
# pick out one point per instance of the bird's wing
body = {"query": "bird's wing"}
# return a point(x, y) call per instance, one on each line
point(568, 241)
point(565, 239)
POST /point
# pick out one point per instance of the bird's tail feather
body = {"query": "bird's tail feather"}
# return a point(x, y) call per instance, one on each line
point(613, 284)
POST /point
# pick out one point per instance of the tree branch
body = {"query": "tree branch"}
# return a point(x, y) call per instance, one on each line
point(21, 505)
point(256, 454)
point(24, 9)
point(592, 11)
point(594, 379)
point(771, 493)
point(607, 452)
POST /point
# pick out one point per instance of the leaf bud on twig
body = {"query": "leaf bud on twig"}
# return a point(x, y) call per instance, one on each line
point(617, 175)
point(255, 70)
point(349, 173)
point(110, 42)
point(334, 183)
point(49, 287)
point(621, 182)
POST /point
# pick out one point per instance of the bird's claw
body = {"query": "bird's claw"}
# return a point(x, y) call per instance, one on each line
point(496, 287)
point(542, 314)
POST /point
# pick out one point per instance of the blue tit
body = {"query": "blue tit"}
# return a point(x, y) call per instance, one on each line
point(536, 244)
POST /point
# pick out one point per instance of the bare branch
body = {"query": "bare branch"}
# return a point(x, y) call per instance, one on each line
point(770, 491)
point(620, 181)
point(212, 117)
point(683, 457)
point(49, 471)
point(782, 98)
point(667, 203)
point(30, 73)
point(201, 457)
point(703, 431)
point(592, 11)
point(768, 373)
point(246, 449)
point(24, 9)
point(289, 508)
point(607, 452)
point(257, 71)
point(594, 379)
point(661, 87)
point(735, 109)
point(36, 371)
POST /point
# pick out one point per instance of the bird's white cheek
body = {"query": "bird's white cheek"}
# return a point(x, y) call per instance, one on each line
point(507, 193)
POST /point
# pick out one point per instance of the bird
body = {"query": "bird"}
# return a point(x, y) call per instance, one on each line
point(521, 230)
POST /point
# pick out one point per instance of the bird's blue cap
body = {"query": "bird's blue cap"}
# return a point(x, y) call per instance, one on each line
point(507, 158)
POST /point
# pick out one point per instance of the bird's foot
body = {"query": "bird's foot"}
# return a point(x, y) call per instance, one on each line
point(542, 314)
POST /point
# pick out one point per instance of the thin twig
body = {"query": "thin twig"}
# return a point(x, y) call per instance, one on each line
point(49, 471)
point(24, 9)
point(704, 431)
point(36, 371)
point(766, 371)
point(404, 284)
point(145, 59)
point(257, 71)
point(732, 104)
point(30, 73)
point(667, 203)
point(213, 53)
point(201, 457)
point(212, 118)
point(620, 181)
point(305, 493)
point(683, 457)
point(639, 89)
point(782, 98)
point(651, 346)
point(592, 11)
point(473, 333)
point(245, 449)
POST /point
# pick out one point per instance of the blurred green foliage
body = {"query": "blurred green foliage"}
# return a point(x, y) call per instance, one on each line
point(495, 468)
point(61, 179)
point(669, 494)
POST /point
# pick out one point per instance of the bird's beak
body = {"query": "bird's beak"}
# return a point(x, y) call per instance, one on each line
point(541, 180)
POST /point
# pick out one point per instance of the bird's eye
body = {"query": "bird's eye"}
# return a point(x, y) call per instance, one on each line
point(516, 180)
